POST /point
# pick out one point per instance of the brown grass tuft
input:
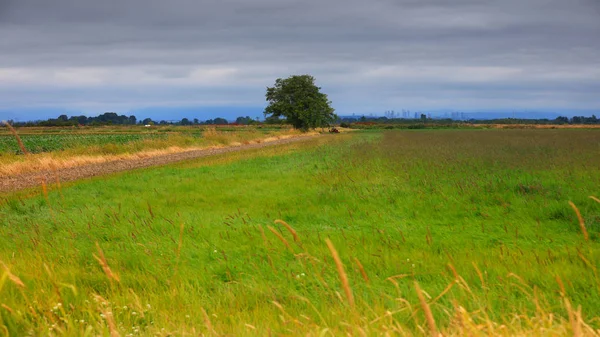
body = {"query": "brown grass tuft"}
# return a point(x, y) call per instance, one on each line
point(561, 285)
point(208, 323)
point(108, 316)
point(362, 270)
point(427, 310)
point(9, 309)
point(580, 218)
point(102, 261)
point(280, 237)
point(19, 141)
point(180, 244)
point(573, 319)
point(14, 278)
point(289, 228)
point(341, 273)
point(264, 237)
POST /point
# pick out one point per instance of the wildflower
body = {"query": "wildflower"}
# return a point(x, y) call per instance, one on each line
point(134, 313)
point(124, 307)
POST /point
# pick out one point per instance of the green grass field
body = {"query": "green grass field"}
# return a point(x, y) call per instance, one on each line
point(479, 220)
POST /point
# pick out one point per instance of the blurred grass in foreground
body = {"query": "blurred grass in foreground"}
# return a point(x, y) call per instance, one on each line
point(409, 233)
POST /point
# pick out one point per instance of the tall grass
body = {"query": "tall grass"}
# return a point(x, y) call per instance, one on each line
point(400, 233)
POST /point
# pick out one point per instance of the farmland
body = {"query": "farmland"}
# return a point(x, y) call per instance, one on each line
point(399, 232)
point(40, 139)
point(51, 148)
point(48, 143)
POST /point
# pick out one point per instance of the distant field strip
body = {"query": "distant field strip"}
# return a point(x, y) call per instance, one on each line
point(59, 142)
point(17, 182)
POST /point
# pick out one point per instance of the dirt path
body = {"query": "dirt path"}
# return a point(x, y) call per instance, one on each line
point(19, 182)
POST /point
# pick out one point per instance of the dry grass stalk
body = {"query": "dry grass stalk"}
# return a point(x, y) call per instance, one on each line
point(341, 272)
point(180, 241)
point(480, 275)
point(444, 292)
point(208, 323)
point(9, 309)
point(561, 286)
point(427, 310)
point(112, 326)
point(575, 326)
point(102, 261)
point(362, 270)
point(14, 278)
point(150, 211)
point(580, 218)
point(107, 314)
point(280, 237)
point(264, 237)
point(453, 271)
point(289, 228)
point(45, 190)
point(594, 198)
point(19, 141)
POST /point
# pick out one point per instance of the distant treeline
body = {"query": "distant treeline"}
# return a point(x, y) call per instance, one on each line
point(111, 118)
point(347, 121)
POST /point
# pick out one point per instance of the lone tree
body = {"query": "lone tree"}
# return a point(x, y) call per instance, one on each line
point(300, 102)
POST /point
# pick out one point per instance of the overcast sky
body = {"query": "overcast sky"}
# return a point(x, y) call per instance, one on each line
point(368, 56)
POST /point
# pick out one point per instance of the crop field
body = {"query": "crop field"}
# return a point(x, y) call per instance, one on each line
point(51, 148)
point(49, 139)
point(400, 232)
point(60, 142)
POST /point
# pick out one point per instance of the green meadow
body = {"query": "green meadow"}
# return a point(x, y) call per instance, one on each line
point(414, 232)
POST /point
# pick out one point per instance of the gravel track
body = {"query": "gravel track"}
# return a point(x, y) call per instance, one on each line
point(19, 182)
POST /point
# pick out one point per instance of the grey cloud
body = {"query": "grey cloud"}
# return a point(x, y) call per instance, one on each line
point(539, 48)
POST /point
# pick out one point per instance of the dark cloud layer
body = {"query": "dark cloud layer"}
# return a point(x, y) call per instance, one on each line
point(369, 55)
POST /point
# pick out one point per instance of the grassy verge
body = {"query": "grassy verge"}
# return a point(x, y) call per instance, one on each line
point(56, 151)
point(459, 232)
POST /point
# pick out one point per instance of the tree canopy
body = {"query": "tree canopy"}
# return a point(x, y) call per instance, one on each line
point(300, 102)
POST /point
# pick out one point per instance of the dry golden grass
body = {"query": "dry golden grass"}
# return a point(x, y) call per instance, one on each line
point(289, 228)
point(280, 237)
point(16, 135)
point(13, 278)
point(104, 264)
point(580, 220)
point(341, 273)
